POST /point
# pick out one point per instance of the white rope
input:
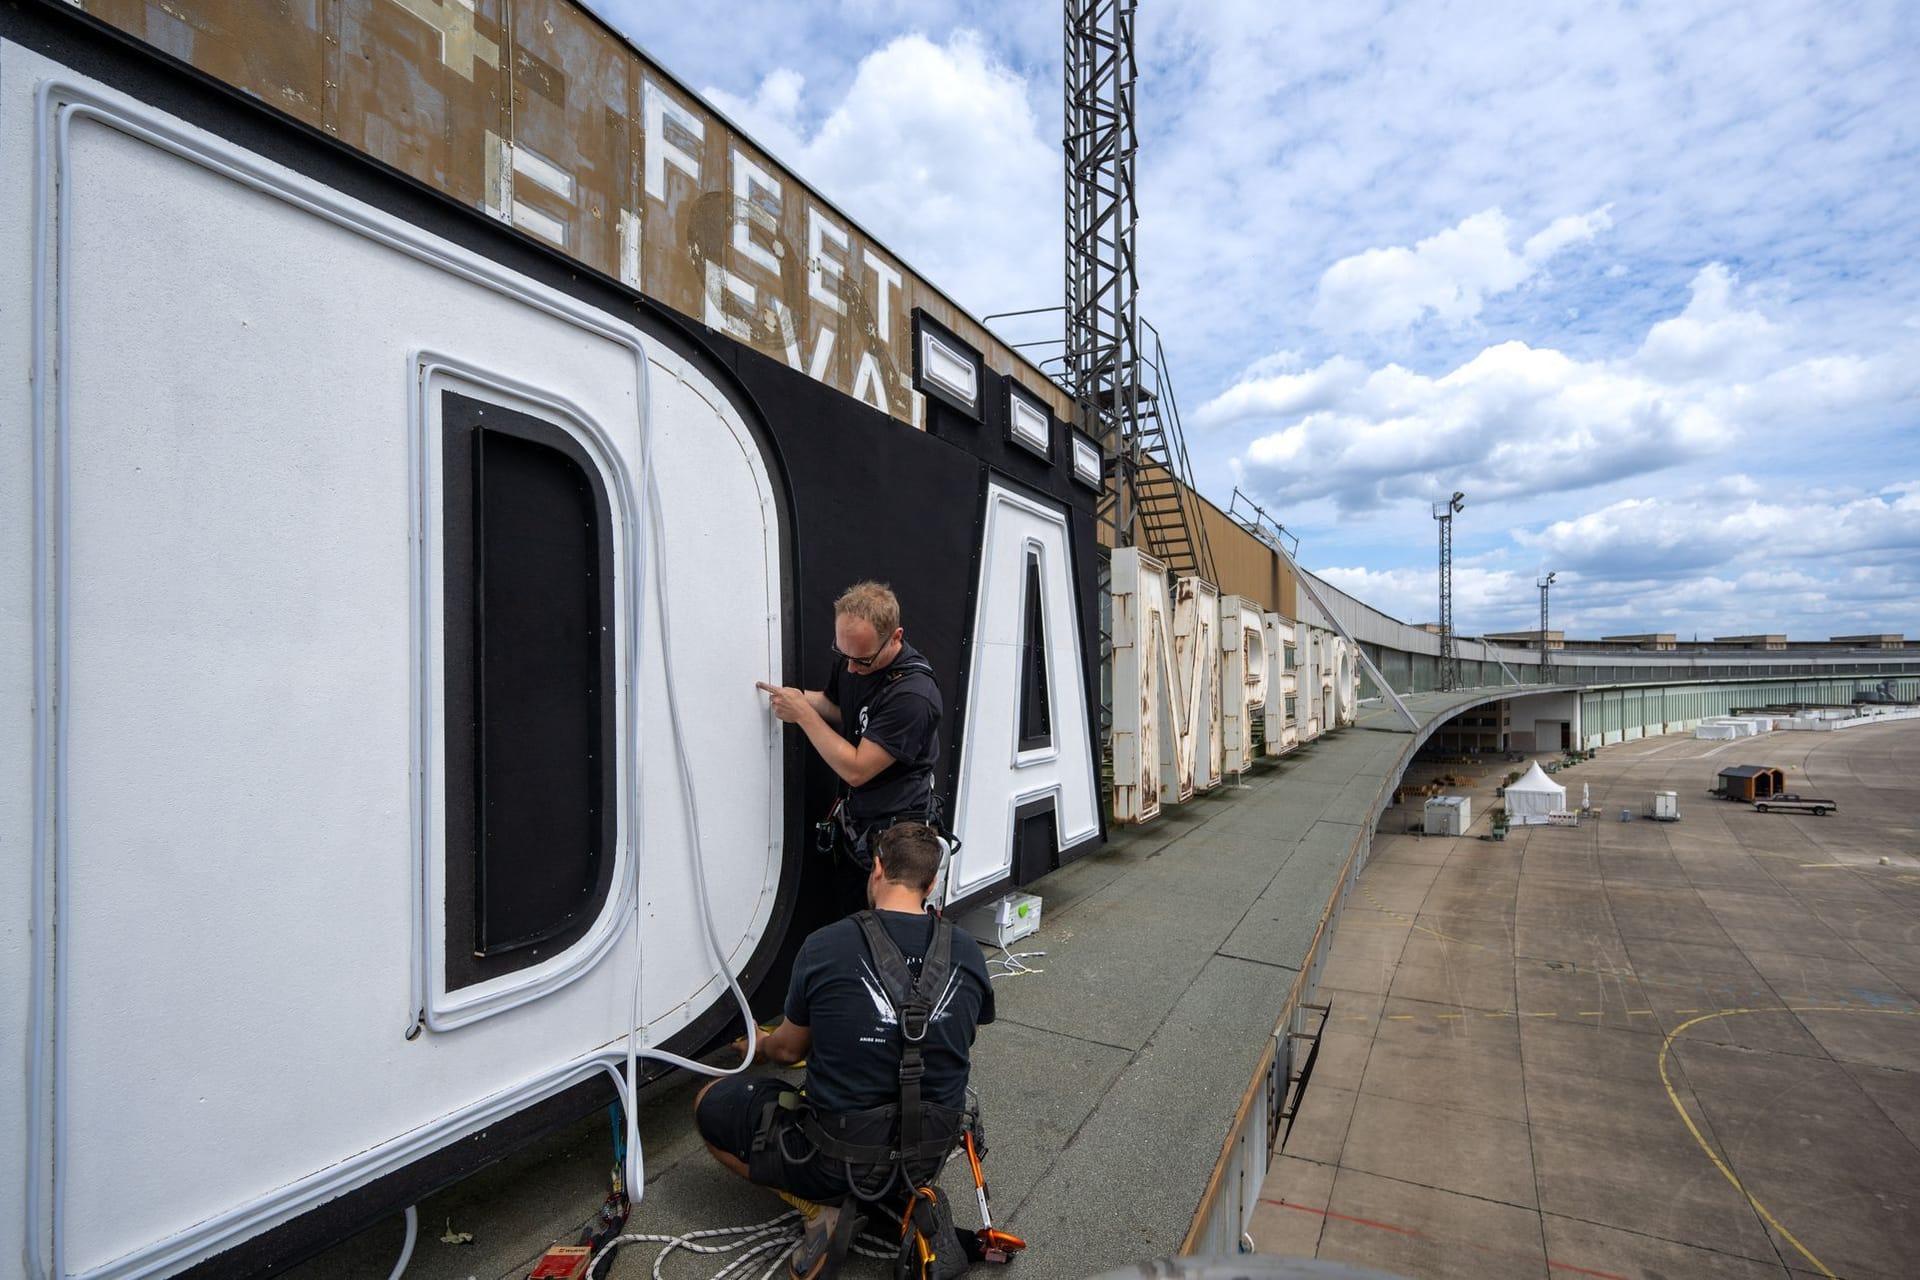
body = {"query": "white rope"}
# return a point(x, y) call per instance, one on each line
point(774, 1239)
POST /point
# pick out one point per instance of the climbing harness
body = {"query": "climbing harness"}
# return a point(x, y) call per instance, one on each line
point(911, 1138)
point(838, 832)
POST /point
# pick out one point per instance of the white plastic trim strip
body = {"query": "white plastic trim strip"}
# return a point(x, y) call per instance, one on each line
point(444, 1010)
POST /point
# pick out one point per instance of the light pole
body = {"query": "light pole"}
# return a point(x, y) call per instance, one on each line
point(1546, 668)
point(1444, 512)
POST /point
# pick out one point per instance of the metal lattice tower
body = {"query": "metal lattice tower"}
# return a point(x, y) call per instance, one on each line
point(1103, 278)
point(1546, 667)
point(1114, 361)
point(1444, 512)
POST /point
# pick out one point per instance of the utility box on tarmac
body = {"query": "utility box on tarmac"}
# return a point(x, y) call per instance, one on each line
point(1448, 816)
point(1003, 920)
point(1666, 806)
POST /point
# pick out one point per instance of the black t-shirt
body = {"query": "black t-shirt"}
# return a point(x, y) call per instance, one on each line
point(899, 708)
point(855, 1060)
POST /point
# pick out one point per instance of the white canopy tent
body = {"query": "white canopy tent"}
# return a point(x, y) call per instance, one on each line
point(1533, 797)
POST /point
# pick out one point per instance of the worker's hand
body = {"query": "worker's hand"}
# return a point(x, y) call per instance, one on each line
point(740, 1047)
point(789, 704)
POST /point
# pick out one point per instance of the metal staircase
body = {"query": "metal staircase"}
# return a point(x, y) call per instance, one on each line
point(1151, 467)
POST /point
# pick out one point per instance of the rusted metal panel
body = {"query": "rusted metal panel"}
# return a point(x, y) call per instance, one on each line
point(536, 112)
point(288, 71)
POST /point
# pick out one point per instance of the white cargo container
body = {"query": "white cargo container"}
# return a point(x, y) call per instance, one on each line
point(1448, 815)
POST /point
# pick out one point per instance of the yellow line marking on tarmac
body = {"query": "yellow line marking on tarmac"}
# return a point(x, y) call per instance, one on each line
point(1590, 1013)
point(1640, 1013)
point(1400, 1017)
point(1449, 1015)
point(1815, 866)
point(1666, 1047)
point(1543, 1015)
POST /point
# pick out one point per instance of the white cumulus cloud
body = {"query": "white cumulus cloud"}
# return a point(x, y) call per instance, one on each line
point(1450, 274)
point(1713, 337)
point(1741, 525)
point(1517, 420)
point(923, 130)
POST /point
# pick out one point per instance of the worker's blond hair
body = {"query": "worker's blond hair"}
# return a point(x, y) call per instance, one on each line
point(873, 603)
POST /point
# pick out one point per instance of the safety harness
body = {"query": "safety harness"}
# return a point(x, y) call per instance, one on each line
point(911, 1136)
point(928, 814)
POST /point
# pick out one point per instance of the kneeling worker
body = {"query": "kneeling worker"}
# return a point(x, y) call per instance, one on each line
point(855, 982)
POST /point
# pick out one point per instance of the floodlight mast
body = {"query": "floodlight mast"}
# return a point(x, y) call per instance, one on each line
point(1546, 666)
point(1444, 512)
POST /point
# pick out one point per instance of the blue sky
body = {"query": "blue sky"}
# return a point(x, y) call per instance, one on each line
point(1643, 280)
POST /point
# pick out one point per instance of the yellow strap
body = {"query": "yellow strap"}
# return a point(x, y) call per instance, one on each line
point(808, 1209)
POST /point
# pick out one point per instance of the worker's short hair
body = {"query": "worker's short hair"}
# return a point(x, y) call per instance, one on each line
point(871, 602)
point(909, 853)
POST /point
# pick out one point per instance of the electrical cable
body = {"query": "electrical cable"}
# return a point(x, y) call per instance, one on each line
point(406, 1250)
point(1010, 963)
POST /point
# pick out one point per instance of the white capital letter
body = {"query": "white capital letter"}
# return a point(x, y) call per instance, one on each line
point(820, 266)
point(885, 280)
point(1004, 777)
point(751, 181)
point(657, 110)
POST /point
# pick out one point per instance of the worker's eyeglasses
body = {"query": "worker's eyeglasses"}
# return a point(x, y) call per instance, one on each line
point(838, 652)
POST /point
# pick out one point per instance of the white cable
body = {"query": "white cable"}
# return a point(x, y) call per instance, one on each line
point(1011, 964)
point(653, 552)
point(406, 1250)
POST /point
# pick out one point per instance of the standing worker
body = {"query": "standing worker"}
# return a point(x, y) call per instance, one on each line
point(876, 724)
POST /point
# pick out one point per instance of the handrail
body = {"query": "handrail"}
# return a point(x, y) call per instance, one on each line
point(1177, 460)
point(1274, 1067)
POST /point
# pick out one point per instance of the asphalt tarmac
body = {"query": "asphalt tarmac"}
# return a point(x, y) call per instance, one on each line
point(1630, 1049)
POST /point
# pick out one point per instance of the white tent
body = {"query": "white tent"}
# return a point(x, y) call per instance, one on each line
point(1533, 797)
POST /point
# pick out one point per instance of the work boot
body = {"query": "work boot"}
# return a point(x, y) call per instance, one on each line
point(808, 1261)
